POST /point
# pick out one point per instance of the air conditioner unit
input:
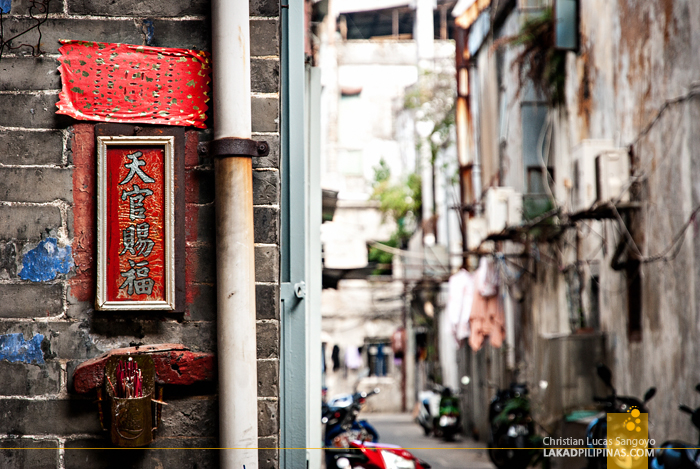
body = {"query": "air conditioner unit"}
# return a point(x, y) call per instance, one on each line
point(613, 175)
point(585, 192)
point(503, 207)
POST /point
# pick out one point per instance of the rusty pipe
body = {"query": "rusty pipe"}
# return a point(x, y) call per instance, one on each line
point(235, 255)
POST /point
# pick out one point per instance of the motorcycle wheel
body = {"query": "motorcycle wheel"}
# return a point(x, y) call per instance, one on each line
point(448, 435)
point(504, 457)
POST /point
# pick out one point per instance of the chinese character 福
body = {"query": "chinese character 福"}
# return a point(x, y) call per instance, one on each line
point(137, 279)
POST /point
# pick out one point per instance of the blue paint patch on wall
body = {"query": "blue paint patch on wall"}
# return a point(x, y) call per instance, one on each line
point(46, 261)
point(14, 348)
point(5, 6)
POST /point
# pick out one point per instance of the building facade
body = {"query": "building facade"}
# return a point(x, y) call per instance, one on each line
point(586, 149)
point(49, 324)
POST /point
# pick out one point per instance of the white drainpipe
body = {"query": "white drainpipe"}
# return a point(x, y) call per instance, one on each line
point(235, 255)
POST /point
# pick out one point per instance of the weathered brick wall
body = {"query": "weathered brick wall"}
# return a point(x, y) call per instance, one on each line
point(47, 210)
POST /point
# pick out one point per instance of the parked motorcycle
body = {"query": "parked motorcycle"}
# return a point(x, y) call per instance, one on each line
point(450, 419)
point(597, 430)
point(678, 454)
point(352, 443)
point(512, 435)
point(367, 455)
point(342, 425)
point(428, 410)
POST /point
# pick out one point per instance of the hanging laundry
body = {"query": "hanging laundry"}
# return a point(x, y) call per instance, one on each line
point(460, 290)
point(398, 342)
point(487, 318)
point(353, 359)
point(487, 278)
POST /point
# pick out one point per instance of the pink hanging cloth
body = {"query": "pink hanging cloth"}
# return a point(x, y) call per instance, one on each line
point(486, 318)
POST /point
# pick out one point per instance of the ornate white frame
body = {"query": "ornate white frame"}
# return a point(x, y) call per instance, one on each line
point(168, 304)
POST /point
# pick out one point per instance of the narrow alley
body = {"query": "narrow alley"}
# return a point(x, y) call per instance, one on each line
point(461, 453)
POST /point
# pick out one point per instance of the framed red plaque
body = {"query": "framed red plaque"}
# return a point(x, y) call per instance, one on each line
point(135, 223)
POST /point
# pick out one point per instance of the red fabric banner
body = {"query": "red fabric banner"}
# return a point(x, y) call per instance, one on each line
point(127, 83)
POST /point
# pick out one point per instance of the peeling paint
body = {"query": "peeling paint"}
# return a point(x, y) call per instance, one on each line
point(46, 261)
point(14, 348)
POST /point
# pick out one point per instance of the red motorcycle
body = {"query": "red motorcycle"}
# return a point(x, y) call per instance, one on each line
point(367, 455)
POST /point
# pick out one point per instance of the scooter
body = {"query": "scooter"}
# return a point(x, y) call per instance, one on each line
point(352, 443)
point(450, 421)
point(598, 429)
point(428, 410)
point(367, 455)
point(678, 454)
point(512, 434)
point(342, 426)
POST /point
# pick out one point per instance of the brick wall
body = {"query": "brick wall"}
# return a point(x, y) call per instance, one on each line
point(47, 201)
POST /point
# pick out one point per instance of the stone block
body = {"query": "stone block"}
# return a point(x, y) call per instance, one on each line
point(199, 336)
point(36, 184)
point(265, 114)
point(190, 418)
point(32, 111)
point(201, 303)
point(21, 7)
point(29, 73)
point(189, 34)
point(161, 8)
point(202, 260)
point(22, 379)
point(90, 338)
point(272, 160)
point(199, 223)
point(19, 147)
point(30, 300)
point(48, 417)
point(268, 340)
point(21, 453)
point(199, 186)
point(267, 267)
point(192, 139)
point(268, 453)
point(268, 418)
point(162, 453)
point(267, 301)
point(266, 187)
point(264, 8)
point(268, 378)
point(28, 223)
point(264, 37)
point(265, 75)
point(8, 260)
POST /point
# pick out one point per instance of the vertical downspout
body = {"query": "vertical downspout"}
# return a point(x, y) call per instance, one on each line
point(235, 255)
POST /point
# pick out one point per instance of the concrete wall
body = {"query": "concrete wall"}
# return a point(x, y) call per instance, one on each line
point(630, 82)
point(47, 195)
point(354, 312)
point(628, 69)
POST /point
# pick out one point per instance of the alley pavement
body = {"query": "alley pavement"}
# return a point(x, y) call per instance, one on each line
point(400, 429)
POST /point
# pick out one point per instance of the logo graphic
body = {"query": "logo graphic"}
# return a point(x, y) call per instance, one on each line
point(628, 439)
